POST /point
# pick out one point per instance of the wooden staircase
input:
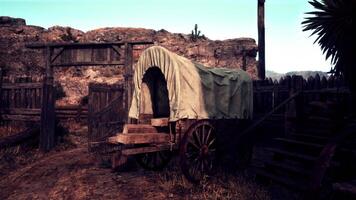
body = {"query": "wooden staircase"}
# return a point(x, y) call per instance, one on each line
point(156, 132)
point(141, 138)
point(290, 160)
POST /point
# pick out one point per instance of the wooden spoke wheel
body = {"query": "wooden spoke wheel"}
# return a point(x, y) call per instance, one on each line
point(154, 160)
point(198, 151)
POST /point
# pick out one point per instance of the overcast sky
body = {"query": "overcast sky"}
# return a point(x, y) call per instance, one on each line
point(287, 47)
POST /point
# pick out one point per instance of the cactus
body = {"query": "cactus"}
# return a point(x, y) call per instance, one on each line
point(195, 33)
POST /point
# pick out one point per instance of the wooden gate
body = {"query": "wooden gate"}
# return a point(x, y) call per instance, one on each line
point(107, 113)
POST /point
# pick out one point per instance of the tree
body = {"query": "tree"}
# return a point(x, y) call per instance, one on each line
point(332, 24)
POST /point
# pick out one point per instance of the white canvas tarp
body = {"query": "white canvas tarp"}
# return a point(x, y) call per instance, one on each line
point(195, 91)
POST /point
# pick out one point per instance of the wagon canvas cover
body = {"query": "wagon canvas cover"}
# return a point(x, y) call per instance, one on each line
point(195, 91)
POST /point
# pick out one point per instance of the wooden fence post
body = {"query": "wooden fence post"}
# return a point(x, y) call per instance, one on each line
point(261, 38)
point(294, 110)
point(0, 91)
point(128, 76)
point(47, 107)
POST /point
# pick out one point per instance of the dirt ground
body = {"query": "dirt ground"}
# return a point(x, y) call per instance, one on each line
point(70, 172)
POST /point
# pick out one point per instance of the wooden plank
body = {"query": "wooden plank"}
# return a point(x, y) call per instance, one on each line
point(139, 138)
point(134, 151)
point(159, 122)
point(22, 111)
point(28, 118)
point(139, 128)
point(21, 85)
point(88, 63)
point(85, 44)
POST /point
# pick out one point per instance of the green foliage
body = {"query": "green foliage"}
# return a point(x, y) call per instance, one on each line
point(332, 24)
point(196, 34)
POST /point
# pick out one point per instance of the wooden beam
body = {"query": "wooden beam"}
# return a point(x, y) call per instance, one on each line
point(89, 63)
point(0, 90)
point(128, 76)
point(26, 118)
point(85, 44)
point(139, 138)
point(150, 149)
point(47, 110)
point(261, 39)
point(21, 85)
point(57, 54)
point(116, 48)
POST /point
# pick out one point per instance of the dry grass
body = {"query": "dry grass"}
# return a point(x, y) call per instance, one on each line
point(221, 186)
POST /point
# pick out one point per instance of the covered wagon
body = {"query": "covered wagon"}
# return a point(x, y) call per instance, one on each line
point(181, 105)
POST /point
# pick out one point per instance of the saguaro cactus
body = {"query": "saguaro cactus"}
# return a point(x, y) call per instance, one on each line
point(195, 33)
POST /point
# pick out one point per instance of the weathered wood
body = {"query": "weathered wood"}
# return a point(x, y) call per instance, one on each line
point(48, 110)
point(139, 138)
point(261, 39)
point(83, 44)
point(128, 75)
point(139, 128)
point(19, 137)
point(21, 85)
point(134, 151)
point(159, 122)
point(1, 92)
point(27, 118)
point(105, 113)
point(22, 111)
point(88, 63)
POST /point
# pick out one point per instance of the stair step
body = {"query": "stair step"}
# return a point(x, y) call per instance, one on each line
point(286, 167)
point(139, 128)
point(139, 138)
point(292, 154)
point(159, 122)
point(296, 142)
point(296, 185)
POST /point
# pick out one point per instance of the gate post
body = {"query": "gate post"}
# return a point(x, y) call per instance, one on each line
point(0, 91)
point(128, 77)
point(261, 39)
point(47, 107)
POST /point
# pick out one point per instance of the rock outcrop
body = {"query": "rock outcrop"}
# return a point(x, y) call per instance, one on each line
point(17, 60)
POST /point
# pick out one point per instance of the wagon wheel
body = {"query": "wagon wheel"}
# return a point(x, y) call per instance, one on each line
point(155, 160)
point(198, 151)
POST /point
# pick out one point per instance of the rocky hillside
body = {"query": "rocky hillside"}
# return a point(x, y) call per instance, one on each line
point(16, 60)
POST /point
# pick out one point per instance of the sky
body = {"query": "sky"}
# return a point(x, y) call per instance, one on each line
point(288, 48)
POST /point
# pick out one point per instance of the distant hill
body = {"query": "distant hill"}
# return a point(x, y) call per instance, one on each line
point(305, 74)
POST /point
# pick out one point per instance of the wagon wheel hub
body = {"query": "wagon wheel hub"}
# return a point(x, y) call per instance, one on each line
point(204, 151)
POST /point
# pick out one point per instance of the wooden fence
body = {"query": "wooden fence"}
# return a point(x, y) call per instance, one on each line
point(270, 93)
point(107, 111)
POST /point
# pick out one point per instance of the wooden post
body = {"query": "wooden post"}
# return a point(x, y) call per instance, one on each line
point(261, 39)
point(128, 76)
point(294, 110)
point(0, 91)
point(47, 107)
